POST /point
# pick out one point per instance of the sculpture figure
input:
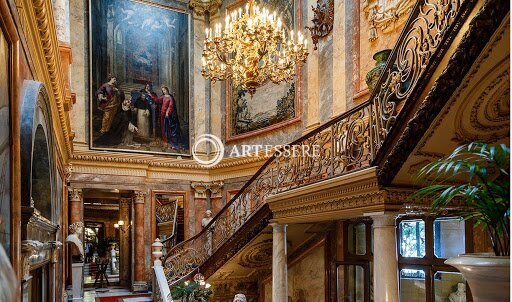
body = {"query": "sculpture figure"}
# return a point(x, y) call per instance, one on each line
point(207, 218)
point(459, 295)
point(76, 230)
point(240, 298)
point(113, 255)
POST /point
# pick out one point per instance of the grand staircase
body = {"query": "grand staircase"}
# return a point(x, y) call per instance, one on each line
point(348, 143)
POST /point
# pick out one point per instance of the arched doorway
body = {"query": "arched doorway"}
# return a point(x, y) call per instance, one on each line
point(41, 202)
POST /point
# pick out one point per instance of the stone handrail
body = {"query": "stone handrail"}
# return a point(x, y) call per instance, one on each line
point(343, 145)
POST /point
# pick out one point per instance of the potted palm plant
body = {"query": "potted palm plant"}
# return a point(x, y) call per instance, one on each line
point(476, 176)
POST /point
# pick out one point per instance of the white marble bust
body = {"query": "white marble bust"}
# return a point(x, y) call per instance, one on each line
point(459, 295)
point(76, 230)
point(207, 218)
point(240, 298)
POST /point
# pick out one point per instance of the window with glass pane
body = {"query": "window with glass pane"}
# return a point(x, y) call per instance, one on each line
point(449, 237)
point(357, 239)
point(412, 238)
point(412, 285)
point(449, 285)
point(350, 283)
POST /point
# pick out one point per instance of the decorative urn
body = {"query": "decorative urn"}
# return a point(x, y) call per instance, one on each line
point(373, 75)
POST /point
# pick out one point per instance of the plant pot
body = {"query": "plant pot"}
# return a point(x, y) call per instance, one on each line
point(488, 276)
point(373, 75)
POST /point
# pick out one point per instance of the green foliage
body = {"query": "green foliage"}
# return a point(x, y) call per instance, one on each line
point(478, 176)
point(191, 292)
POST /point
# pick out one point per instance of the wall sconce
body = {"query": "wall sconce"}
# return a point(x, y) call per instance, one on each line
point(121, 226)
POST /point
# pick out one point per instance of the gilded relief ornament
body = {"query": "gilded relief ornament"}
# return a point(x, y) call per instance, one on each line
point(386, 15)
point(323, 20)
point(200, 7)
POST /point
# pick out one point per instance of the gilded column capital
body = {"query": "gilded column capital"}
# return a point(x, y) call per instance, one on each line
point(201, 188)
point(200, 7)
point(75, 194)
point(139, 196)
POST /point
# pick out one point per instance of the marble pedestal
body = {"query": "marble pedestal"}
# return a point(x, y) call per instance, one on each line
point(77, 281)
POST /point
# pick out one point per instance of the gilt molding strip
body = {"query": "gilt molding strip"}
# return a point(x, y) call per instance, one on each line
point(38, 22)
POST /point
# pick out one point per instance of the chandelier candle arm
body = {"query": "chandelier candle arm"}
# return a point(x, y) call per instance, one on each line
point(252, 48)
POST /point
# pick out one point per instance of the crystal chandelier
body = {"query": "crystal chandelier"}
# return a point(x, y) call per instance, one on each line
point(252, 47)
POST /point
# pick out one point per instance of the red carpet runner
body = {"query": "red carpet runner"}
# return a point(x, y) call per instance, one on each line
point(120, 298)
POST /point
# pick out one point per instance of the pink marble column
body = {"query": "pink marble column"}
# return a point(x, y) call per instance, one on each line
point(75, 205)
point(139, 284)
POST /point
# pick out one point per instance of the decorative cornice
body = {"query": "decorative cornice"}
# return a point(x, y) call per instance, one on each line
point(481, 29)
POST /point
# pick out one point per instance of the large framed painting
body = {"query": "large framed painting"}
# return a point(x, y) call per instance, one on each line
point(272, 106)
point(139, 77)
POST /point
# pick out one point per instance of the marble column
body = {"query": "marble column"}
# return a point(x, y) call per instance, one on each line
point(124, 241)
point(139, 284)
point(75, 205)
point(61, 16)
point(385, 263)
point(279, 264)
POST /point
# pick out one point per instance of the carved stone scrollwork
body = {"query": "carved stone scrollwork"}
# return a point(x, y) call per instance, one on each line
point(386, 15)
point(323, 20)
point(200, 7)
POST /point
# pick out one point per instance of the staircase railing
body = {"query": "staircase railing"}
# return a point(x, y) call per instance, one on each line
point(345, 144)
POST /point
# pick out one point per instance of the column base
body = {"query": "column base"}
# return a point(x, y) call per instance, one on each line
point(140, 286)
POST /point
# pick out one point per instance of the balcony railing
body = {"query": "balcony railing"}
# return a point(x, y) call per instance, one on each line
point(347, 143)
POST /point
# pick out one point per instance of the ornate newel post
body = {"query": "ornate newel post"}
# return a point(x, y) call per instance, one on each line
point(161, 290)
point(139, 284)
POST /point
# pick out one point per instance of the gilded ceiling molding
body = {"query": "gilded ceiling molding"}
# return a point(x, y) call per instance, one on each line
point(200, 7)
point(463, 87)
point(323, 20)
point(37, 21)
point(386, 15)
point(489, 113)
